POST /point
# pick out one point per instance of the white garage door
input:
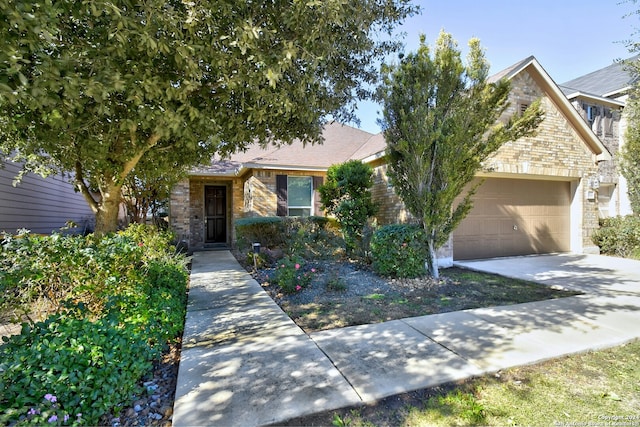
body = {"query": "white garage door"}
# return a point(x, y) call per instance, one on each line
point(515, 217)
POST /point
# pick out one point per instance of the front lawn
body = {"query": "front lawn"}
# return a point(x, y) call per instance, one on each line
point(600, 388)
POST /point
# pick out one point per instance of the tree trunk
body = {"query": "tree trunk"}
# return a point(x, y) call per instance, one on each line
point(432, 261)
point(108, 210)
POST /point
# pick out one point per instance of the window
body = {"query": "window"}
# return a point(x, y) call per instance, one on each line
point(522, 107)
point(298, 195)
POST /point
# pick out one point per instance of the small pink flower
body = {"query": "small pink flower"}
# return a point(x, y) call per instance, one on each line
point(282, 266)
point(298, 287)
point(313, 270)
point(297, 266)
point(140, 244)
point(404, 245)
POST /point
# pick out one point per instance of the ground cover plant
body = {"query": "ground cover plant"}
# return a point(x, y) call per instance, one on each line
point(595, 388)
point(109, 307)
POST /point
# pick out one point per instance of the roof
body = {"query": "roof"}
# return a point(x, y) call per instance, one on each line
point(563, 104)
point(604, 82)
point(340, 144)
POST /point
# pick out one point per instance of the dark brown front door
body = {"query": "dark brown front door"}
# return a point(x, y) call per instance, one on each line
point(215, 219)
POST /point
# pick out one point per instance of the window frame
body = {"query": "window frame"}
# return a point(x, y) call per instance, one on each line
point(308, 207)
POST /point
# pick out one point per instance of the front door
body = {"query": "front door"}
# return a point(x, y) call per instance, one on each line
point(215, 219)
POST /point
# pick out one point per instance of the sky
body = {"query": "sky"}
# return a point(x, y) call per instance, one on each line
point(569, 38)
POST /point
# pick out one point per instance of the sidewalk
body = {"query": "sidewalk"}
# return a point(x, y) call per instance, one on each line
point(244, 362)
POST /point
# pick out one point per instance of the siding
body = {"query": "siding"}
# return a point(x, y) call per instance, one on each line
point(38, 204)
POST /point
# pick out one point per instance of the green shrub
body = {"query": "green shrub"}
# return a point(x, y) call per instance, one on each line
point(293, 274)
point(90, 367)
point(309, 237)
point(121, 299)
point(268, 231)
point(399, 250)
point(347, 196)
point(619, 236)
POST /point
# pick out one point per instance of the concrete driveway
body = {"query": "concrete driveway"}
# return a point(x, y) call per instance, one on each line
point(595, 275)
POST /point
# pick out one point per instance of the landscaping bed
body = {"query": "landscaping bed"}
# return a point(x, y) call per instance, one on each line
point(347, 293)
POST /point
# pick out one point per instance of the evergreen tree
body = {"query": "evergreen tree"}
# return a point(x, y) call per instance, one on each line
point(441, 121)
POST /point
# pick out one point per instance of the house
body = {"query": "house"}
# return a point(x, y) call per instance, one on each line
point(600, 98)
point(41, 205)
point(539, 193)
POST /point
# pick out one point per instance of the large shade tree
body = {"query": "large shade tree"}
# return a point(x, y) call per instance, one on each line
point(92, 87)
point(441, 120)
point(629, 159)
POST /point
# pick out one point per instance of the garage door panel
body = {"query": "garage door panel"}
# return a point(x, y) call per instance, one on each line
point(515, 217)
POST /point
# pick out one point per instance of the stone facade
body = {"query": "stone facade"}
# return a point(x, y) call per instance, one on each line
point(556, 152)
point(251, 195)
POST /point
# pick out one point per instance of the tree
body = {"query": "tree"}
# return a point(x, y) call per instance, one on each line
point(440, 121)
point(347, 196)
point(149, 190)
point(92, 87)
point(629, 160)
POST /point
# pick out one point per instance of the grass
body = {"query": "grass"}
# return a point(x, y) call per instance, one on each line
point(595, 388)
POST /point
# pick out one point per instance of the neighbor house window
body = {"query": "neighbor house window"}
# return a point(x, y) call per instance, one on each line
point(299, 195)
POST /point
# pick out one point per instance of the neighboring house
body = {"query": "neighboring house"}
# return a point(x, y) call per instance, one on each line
point(539, 195)
point(41, 205)
point(600, 98)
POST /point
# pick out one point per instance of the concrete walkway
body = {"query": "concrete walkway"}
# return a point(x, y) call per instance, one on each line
point(244, 362)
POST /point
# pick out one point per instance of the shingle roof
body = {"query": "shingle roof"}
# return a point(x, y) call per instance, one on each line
point(607, 80)
point(341, 143)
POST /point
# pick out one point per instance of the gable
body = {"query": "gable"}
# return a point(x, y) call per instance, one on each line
point(557, 149)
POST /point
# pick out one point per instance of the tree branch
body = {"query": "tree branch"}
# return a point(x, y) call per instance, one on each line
point(131, 163)
point(81, 185)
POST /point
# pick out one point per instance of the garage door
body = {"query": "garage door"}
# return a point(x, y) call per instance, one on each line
point(515, 217)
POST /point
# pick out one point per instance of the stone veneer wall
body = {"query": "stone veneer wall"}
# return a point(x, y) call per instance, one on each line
point(391, 209)
point(187, 208)
point(259, 189)
point(555, 153)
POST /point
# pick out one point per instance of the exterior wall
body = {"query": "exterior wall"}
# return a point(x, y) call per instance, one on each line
point(41, 205)
point(608, 126)
point(259, 190)
point(252, 195)
point(556, 152)
point(187, 208)
point(180, 211)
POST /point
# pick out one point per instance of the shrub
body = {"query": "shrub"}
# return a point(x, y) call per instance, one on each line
point(292, 274)
point(347, 196)
point(308, 237)
point(399, 251)
point(125, 297)
point(268, 231)
point(90, 366)
point(619, 236)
